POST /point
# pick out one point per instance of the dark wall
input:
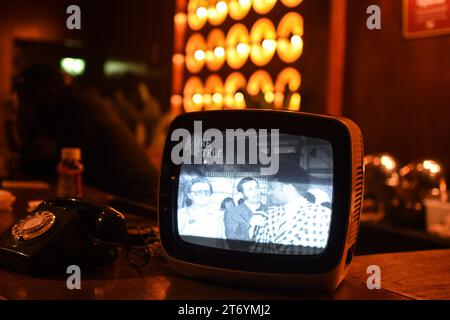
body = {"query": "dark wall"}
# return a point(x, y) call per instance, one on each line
point(314, 62)
point(397, 90)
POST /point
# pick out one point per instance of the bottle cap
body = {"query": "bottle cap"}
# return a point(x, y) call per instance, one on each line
point(71, 154)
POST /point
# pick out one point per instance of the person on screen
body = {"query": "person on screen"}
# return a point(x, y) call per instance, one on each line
point(227, 204)
point(295, 220)
point(244, 221)
point(198, 218)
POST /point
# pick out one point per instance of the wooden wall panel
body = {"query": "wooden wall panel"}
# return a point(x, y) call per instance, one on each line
point(397, 90)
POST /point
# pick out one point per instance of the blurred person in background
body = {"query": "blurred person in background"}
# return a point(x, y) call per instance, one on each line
point(134, 104)
point(53, 115)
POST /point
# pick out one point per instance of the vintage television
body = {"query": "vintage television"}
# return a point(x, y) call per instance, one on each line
point(261, 197)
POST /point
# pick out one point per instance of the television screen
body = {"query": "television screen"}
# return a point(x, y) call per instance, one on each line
point(233, 204)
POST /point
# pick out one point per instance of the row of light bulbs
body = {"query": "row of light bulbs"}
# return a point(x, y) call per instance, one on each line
point(216, 94)
point(260, 44)
point(215, 12)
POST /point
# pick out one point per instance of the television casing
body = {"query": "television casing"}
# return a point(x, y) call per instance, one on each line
point(323, 272)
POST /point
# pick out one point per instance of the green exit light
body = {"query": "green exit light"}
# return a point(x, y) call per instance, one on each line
point(73, 66)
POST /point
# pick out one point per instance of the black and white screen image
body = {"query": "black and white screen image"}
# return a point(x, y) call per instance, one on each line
point(235, 207)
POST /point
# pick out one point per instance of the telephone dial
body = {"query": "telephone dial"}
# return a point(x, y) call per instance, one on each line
point(63, 232)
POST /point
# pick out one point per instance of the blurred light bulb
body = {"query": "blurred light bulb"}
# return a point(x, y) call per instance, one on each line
point(221, 6)
point(201, 12)
point(217, 98)
point(294, 104)
point(199, 55)
point(239, 97)
point(176, 100)
point(244, 2)
point(296, 41)
point(242, 48)
point(432, 166)
point(209, 55)
point(180, 18)
point(388, 162)
point(178, 58)
point(269, 44)
point(269, 97)
point(197, 98)
point(207, 99)
point(219, 52)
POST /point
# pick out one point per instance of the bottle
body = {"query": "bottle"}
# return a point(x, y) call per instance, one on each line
point(70, 170)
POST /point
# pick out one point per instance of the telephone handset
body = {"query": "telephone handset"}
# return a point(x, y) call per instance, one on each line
point(63, 232)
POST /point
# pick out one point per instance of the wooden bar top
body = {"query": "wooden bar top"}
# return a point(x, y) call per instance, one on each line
point(411, 275)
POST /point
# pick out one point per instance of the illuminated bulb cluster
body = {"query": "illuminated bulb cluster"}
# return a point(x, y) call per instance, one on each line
point(211, 51)
point(260, 44)
point(215, 94)
point(215, 12)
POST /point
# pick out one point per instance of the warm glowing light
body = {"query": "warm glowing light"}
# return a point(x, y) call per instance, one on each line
point(296, 41)
point(291, 3)
point(278, 101)
point(263, 6)
point(239, 97)
point(180, 18)
point(239, 8)
point(269, 97)
point(405, 170)
point(178, 58)
point(216, 52)
point(263, 47)
point(193, 95)
point(73, 66)
point(197, 14)
point(219, 52)
point(290, 32)
point(290, 77)
point(218, 13)
point(209, 56)
point(221, 6)
point(197, 98)
point(217, 98)
point(238, 48)
point(260, 81)
point(199, 55)
point(294, 104)
point(432, 166)
point(269, 44)
point(213, 88)
point(201, 12)
point(176, 100)
point(242, 48)
point(388, 162)
point(195, 53)
point(234, 83)
point(207, 99)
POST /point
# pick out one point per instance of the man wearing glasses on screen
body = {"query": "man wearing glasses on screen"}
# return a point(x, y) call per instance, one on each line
point(199, 218)
point(244, 221)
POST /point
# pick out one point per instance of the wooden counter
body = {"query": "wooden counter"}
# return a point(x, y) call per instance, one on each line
point(411, 275)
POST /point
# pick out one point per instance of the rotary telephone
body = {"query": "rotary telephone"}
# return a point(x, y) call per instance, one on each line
point(63, 232)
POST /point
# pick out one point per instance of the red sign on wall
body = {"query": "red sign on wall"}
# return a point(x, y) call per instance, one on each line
point(425, 17)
